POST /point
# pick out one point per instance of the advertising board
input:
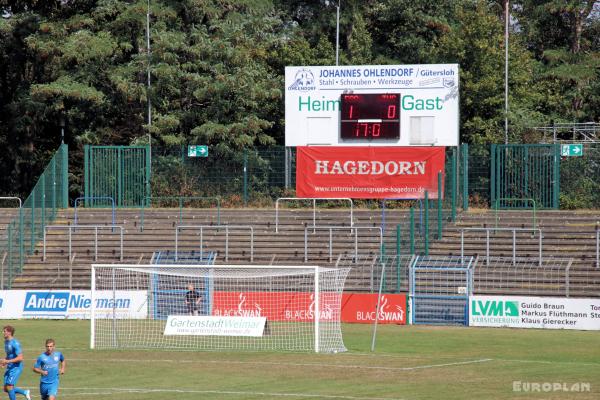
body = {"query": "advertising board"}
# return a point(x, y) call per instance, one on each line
point(534, 312)
point(369, 172)
point(372, 105)
point(76, 304)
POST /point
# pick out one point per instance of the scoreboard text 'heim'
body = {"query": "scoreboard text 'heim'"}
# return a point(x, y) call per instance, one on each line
point(375, 105)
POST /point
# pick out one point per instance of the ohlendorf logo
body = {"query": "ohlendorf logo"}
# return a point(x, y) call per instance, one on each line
point(303, 81)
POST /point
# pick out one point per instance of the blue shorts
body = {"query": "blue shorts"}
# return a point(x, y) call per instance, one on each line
point(48, 389)
point(11, 376)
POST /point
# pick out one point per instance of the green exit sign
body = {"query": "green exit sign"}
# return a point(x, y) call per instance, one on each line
point(571, 150)
point(197, 151)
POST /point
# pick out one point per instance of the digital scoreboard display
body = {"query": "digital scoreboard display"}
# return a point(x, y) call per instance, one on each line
point(370, 116)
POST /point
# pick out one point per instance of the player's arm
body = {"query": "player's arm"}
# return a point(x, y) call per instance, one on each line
point(37, 368)
point(40, 371)
point(63, 366)
point(6, 361)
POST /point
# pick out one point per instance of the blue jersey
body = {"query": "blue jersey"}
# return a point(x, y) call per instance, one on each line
point(50, 363)
point(13, 349)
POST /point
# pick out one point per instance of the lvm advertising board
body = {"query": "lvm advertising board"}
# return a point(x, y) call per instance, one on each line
point(534, 312)
point(372, 105)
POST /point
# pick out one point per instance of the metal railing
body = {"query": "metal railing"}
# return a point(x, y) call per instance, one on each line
point(579, 131)
point(331, 229)
point(487, 240)
point(11, 237)
point(526, 277)
point(213, 227)
point(72, 228)
point(88, 198)
point(180, 199)
point(314, 200)
point(512, 199)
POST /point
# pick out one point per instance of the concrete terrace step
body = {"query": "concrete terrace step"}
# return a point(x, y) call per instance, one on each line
point(565, 234)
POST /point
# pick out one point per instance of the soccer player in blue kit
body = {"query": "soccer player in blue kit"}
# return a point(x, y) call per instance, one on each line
point(13, 363)
point(50, 365)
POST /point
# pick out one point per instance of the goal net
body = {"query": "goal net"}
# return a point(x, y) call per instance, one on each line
point(217, 307)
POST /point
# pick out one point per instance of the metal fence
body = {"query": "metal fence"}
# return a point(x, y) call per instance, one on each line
point(440, 288)
point(239, 177)
point(27, 227)
point(549, 276)
point(577, 184)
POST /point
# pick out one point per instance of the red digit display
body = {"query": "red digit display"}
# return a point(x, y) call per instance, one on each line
point(370, 116)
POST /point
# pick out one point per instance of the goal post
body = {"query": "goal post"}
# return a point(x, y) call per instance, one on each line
point(217, 307)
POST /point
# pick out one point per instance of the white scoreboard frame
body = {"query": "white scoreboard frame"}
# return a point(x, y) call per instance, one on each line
point(429, 98)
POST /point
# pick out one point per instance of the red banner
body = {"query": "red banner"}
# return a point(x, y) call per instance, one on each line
point(369, 172)
point(300, 306)
point(362, 308)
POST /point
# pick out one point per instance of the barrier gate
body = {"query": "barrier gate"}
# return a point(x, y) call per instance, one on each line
point(439, 289)
point(167, 298)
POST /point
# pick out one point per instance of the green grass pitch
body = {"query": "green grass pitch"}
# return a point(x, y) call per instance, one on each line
point(409, 362)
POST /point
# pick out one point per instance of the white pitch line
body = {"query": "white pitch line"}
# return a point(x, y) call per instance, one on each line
point(549, 362)
point(402, 357)
point(109, 391)
point(446, 364)
point(322, 365)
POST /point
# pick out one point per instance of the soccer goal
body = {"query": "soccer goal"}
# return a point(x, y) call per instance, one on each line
point(277, 308)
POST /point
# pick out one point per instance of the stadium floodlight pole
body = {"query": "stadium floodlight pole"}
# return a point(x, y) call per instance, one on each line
point(148, 90)
point(337, 35)
point(506, 15)
point(148, 63)
point(61, 121)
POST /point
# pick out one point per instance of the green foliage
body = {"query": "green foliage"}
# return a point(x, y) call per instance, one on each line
point(216, 68)
point(407, 31)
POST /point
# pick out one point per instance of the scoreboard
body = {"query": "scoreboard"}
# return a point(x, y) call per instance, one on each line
point(371, 116)
point(381, 105)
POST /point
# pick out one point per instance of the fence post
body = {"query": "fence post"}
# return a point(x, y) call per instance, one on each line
point(21, 237)
point(555, 197)
point(382, 261)
point(492, 175)
point(180, 210)
point(65, 175)
point(454, 182)
point(148, 173)
point(398, 258)
point(245, 178)
point(465, 172)
point(32, 243)
point(10, 264)
point(86, 170)
point(412, 230)
point(43, 205)
point(426, 230)
point(398, 239)
point(287, 157)
point(53, 201)
point(439, 207)
point(597, 247)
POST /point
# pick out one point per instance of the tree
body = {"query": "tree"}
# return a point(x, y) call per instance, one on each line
point(476, 43)
point(407, 31)
point(564, 37)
